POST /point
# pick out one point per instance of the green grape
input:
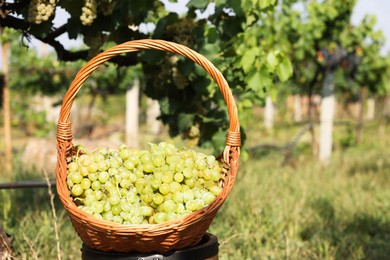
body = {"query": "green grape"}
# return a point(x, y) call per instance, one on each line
point(158, 198)
point(164, 188)
point(126, 216)
point(96, 185)
point(188, 195)
point(103, 177)
point(103, 166)
point(148, 167)
point(76, 177)
point(180, 208)
point(85, 183)
point(98, 194)
point(98, 216)
point(158, 160)
point(73, 167)
point(92, 177)
point(178, 177)
point(88, 192)
point(174, 187)
point(146, 211)
point(171, 216)
point(107, 206)
point(117, 219)
point(135, 220)
point(114, 199)
point(124, 153)
point(77, 190)
point(90, 199)
point(125, 183)
point(207, 197)
point(191, 205)
point(216, 190)
point(116, 209)
point(69, 183)
point(98, 157)
point(155, 183)
point(108, 216)
point(169, 206)
point(84, 171)
point(125, 206)
point(190, 182)
point(177, 197)
point(159, 217)
point(187, 172)
point(97, 206)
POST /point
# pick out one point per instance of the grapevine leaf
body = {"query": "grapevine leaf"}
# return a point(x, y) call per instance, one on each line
point(248, 59)
point(185, 121)
point(285, 69)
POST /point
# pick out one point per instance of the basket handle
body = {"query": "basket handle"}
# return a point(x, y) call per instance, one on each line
point(233, 140)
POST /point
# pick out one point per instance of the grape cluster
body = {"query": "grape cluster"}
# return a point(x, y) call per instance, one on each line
point(132, 186)
point(94, 42)
point(40, 10)
point(88, 12)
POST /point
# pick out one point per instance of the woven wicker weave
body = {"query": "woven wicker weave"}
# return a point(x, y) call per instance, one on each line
point(172, 235)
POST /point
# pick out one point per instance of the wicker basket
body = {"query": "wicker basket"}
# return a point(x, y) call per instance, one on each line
point(172, 235)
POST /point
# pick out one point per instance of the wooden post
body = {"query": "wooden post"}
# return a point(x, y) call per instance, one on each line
point(327, 113)
point(132, 115)
point(6, 110)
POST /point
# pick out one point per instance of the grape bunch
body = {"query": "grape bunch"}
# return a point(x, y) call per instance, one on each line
point(132, 186)
point(88, 12)
point(40, 10)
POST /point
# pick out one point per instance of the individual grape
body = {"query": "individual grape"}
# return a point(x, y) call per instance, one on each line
point(73, 167)
point(164, 189)
point(84, 171)
point(158, 198)
point(96, 185)
point(116, 210)
point(135, 220)
point(77, 190)
point(169, 206)
point(216, 190)
point(85, 183)
point(92, 177)
point(177, 197)
point(76, 177)
point(146, 211)
point(174, 187)
point(158, 160)
point(117, 219)
point(208, 197)
point(97, 206)
point(114, 199)
point(103, 177)
point(159, 217)
point(178, 177)
point(109, 216)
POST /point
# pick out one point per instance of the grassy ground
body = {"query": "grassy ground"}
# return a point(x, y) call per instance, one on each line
point(296, 211)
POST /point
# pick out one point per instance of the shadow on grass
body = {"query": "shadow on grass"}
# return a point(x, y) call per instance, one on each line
point(362, 237)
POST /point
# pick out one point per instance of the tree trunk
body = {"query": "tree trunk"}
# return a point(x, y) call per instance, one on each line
point(153, 111)
point(7, 111)
point(297, 108)
point(326, 119)
point(359, 127)
point(132, 115)
point(269, 113)
point(370, 108)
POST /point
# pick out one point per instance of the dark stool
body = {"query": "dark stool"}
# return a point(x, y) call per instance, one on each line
point(206, 249)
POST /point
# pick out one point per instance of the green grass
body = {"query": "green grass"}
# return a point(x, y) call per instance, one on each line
point(297, 211)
